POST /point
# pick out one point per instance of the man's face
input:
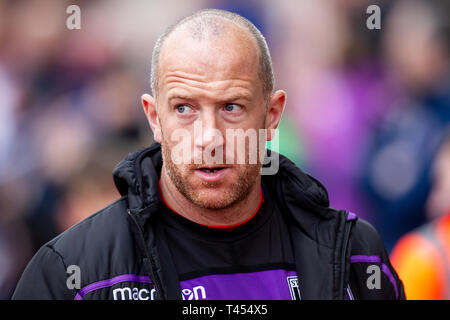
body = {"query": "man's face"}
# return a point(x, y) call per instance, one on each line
point(207, 88)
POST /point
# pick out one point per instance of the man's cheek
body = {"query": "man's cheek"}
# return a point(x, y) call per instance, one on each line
point(180, 149)
point(177, 145)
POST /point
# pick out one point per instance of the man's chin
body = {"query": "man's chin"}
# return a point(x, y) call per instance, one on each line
point(213, 198)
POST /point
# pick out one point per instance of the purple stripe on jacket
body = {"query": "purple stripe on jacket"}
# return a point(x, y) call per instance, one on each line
point(384, 267)
point(110, 282)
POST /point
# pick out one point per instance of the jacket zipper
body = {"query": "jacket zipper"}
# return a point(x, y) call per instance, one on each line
point(149, 263)
point(345, 244)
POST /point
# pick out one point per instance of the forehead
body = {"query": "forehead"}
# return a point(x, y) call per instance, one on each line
point(229, 55)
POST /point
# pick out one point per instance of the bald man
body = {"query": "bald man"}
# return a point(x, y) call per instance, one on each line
point(201, 216)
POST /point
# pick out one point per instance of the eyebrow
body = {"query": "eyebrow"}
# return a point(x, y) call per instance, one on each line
point(178, 96)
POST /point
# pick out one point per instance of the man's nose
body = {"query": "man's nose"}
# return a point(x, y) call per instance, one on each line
point(207, 132)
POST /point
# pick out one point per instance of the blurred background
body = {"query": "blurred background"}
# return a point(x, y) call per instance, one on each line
point(367, 110)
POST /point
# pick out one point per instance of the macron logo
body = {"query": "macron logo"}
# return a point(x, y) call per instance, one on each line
point(127, 293)
point(197, 293)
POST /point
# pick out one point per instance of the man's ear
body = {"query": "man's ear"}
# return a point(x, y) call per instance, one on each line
point(149, 105)
point(274, 112)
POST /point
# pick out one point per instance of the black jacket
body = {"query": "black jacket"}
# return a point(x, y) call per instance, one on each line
point(117, 256)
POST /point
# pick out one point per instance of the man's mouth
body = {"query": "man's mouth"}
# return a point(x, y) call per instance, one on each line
point(211, 170)
point(211, 174)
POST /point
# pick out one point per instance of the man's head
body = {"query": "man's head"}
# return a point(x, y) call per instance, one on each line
point(212, 71)
point(213, 22)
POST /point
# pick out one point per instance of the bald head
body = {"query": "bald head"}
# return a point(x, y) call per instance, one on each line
point(215, 29)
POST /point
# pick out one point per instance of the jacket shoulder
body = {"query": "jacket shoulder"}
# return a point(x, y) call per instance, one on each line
point(365, 239)
point(96, 230)
point(100, 245)
point(91, 245)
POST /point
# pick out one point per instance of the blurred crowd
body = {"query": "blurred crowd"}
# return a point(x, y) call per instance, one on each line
point(369, 109)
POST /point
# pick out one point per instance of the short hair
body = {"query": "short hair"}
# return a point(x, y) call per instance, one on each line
point(207, 21)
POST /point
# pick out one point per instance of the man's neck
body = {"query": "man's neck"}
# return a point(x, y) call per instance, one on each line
point(233, 215)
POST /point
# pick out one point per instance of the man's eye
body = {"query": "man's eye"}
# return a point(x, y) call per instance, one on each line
point(182, 108)
point(231, 107)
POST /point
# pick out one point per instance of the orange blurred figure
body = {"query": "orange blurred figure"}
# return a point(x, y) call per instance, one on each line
point(422, 257)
